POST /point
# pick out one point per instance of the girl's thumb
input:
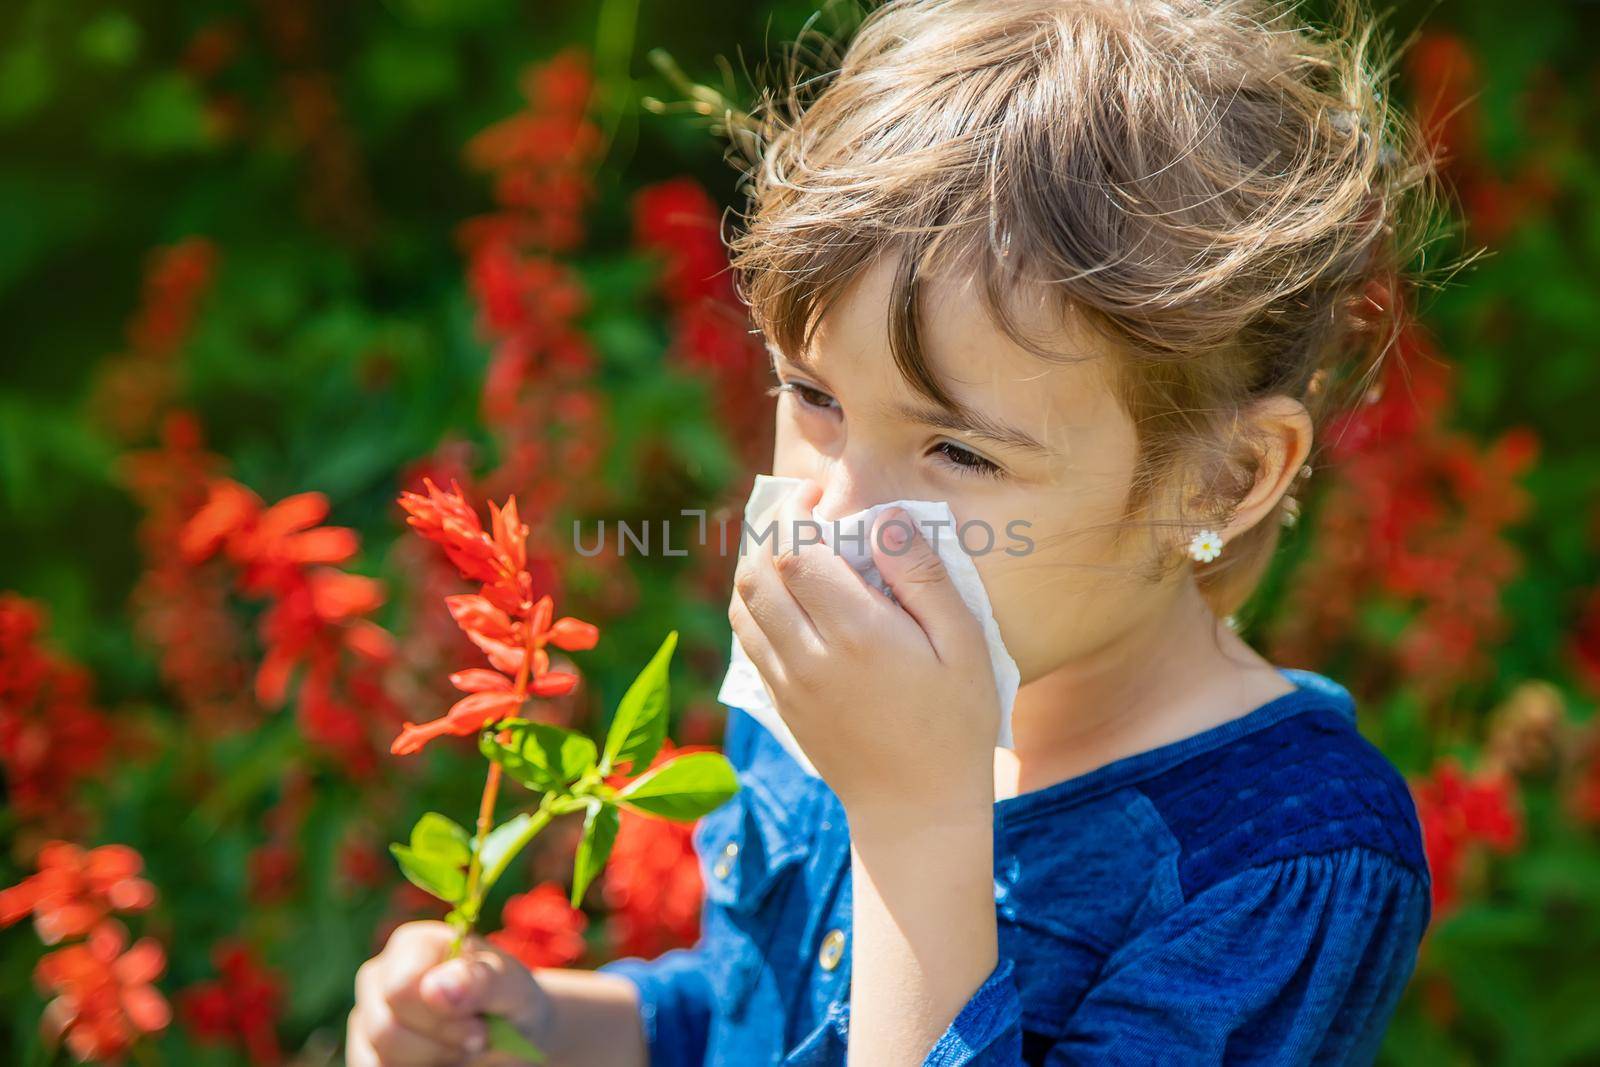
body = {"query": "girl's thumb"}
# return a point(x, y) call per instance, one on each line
point(472, 983)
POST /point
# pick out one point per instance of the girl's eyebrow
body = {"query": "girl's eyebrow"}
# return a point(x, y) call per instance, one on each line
point(969, 421)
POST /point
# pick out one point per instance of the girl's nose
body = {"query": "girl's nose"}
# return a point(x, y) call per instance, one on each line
point(845, 491)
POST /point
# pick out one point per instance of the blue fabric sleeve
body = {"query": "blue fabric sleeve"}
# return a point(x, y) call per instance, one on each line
point(1291, 962)
point(674, 1004)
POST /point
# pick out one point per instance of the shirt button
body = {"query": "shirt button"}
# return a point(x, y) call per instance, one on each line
point(832, 949)
point(724, 865)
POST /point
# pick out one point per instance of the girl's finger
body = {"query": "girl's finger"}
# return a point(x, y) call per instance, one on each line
point(483, 979)
point(402, 1000)
point(833, 596)
point(837, 600)
point(773, 607)
point(754, 642)
point(922, 585)
point(397, 1045)
point(797, 527)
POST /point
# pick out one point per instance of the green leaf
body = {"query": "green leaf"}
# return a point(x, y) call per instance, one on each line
point(640, 724)
point(599, 834)
point(506, 840)
point(542, 757)
point(684, 788)
point(438, 837)
point(503, 1037)
point(432, 875)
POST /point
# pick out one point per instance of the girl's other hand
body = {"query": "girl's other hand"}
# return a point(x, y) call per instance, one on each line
point(418, 1007)
point(894, 703)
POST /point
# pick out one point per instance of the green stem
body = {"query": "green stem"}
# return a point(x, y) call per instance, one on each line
point(491, 876)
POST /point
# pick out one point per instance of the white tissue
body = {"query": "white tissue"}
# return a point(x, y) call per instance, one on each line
point(743, 688)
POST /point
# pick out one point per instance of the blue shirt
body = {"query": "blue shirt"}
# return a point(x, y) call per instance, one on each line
point(1255, 893)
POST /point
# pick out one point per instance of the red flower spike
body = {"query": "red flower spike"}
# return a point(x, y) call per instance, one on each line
point(499, 619)
point(541, 928)
point(446, 519)
point(240, 1007)
point(555, 684)
point(1460, 814)
point(478, 680)
point(229, 508)
point(76, 890)
point(51, 734)
point(573, 635)
point(473, 712)
point(105, 998)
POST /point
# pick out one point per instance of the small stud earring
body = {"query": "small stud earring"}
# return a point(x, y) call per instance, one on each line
point(1205, 546)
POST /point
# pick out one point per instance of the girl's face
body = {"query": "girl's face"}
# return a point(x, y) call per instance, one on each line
point(1043, 466)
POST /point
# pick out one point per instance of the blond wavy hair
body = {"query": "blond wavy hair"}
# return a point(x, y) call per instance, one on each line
point(1220, 188)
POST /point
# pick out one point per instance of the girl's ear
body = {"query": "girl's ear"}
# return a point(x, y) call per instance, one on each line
point(1281, 431)
point(1234, 485)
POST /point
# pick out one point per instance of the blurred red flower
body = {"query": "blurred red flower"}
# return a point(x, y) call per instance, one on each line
point(316, 613)
point(75, 890)
point(678, 222)
point(1458, 814)
point(653, 887)
point(1416, 520)
point(541, 928)
point(240, 1007)
point(104, 999)
point(51, 734)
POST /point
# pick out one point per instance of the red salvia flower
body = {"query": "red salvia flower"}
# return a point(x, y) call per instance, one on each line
point(51, 734)
point(510, 627)
point(1460, 814)
point(104, 997)
point(316, 613)
point(179, 609)
point(678, 222)
point(134, 389)
point(1417, 517)
point(75, 890)
point(1447, 84)
point(240, 1007)
point(653, 886)
point(541, 928)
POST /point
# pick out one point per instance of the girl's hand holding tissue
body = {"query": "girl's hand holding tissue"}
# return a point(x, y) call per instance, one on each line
point(894, 703)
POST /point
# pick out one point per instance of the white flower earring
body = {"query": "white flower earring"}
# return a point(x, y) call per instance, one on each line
point(1205, 546)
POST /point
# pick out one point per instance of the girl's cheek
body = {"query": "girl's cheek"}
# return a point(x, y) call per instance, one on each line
point(1047, 597)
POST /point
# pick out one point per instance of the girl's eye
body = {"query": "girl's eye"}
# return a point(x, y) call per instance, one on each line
point(969, 462)
point(810, 396)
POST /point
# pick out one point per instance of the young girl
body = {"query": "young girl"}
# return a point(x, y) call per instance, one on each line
point(1097, 267)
